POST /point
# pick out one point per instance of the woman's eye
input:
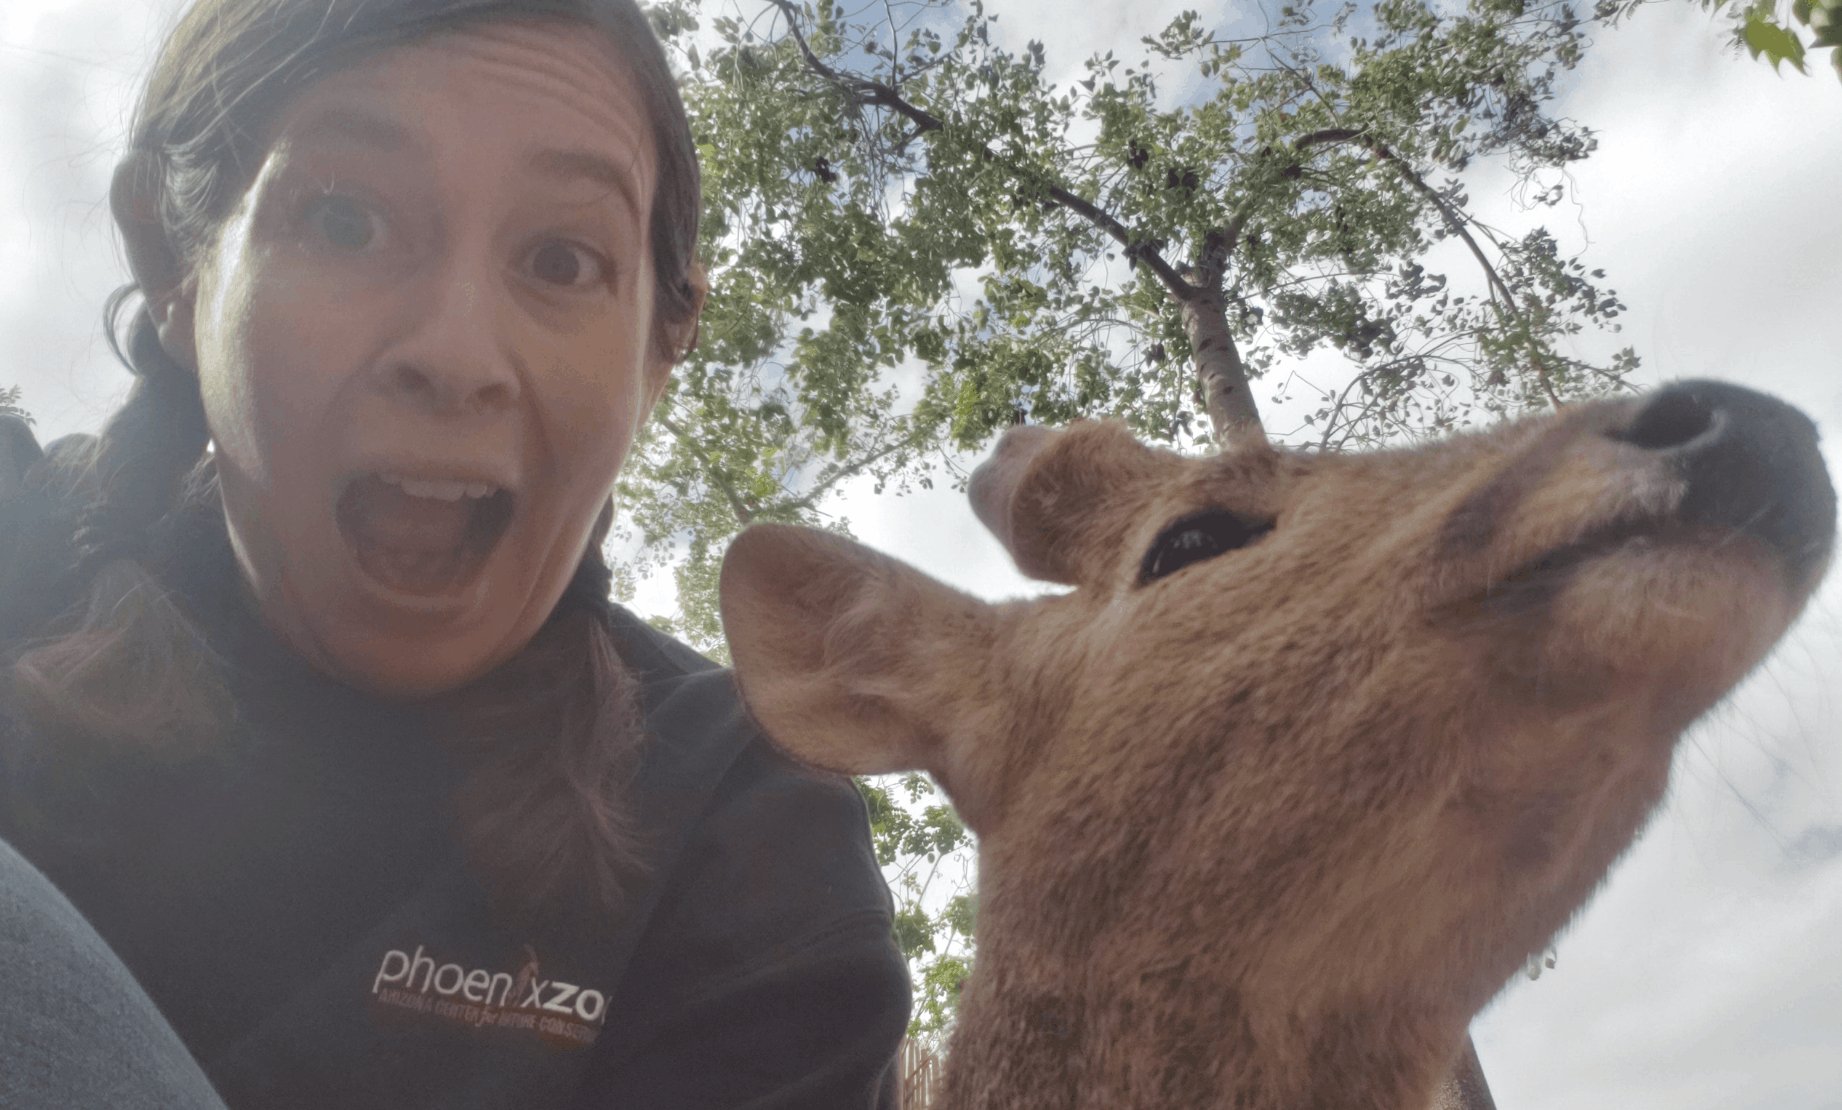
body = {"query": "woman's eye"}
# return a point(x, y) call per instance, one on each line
point(1195, 538)
point(562, 263)
point(343, 222)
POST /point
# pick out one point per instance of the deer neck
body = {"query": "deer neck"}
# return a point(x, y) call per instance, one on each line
point(1091, 1030)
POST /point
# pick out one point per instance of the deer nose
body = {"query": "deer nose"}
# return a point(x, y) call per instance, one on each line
point(1751, 463)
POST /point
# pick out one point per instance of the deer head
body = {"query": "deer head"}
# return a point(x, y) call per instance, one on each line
point(1319, 748)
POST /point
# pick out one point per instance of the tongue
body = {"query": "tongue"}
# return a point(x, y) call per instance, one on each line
point(411, 544)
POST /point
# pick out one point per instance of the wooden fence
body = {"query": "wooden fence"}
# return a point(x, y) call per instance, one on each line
point(920, 1071)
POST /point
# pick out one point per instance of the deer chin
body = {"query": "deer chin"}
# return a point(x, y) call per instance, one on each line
point(420, 546)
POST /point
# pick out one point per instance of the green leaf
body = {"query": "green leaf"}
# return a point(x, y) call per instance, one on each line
point(1764, 36)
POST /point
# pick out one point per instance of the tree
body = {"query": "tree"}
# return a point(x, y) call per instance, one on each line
point(915, 239)
point(906, 257)
point(9, 404)
point(1762, 30)
point(917, 851)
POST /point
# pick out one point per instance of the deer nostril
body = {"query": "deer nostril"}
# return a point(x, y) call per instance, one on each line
point(1673, 419)
point(1750, 463)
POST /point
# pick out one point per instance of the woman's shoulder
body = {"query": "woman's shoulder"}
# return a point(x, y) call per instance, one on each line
point(769, 944)
point(702, 732)
point(652, 652)
point(694, 704)
point(59, 471)
point(772, 899)
point(19, 450)
point(757, 810)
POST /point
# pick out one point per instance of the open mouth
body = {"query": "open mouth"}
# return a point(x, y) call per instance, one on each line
point(422, 536)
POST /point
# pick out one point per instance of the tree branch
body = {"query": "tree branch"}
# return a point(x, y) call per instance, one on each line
point(1336, 410)
point(857, 88)
point(876, 93)
point(1328, 135)
point(741, 509)
point(1137, 251)
point(812, 495)
point(1457, 227)
point(1221, 373)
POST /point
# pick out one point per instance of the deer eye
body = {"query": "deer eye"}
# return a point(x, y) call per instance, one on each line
point(1197, 537)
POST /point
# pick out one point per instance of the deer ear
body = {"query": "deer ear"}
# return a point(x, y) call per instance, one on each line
point(1062, 502)
point(851, 660)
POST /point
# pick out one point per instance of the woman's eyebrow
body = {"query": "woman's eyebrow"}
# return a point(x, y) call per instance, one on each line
point(344, 126)
point(347, 127)
point(576, 163)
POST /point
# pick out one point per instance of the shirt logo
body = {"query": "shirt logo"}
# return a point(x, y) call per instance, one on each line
point(523, 1001)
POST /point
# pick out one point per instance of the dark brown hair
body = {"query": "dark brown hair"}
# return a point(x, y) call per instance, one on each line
point(542, 807)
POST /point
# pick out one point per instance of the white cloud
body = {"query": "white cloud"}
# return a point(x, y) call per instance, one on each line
point(68, 76)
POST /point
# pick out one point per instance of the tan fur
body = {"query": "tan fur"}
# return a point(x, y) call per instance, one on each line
point(1266, 833)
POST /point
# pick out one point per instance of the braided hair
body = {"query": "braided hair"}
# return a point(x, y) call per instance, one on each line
point(538, 807)
point(549, 740)
point(130, 670)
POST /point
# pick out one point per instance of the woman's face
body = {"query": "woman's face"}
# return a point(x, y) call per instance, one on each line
point(424, 343)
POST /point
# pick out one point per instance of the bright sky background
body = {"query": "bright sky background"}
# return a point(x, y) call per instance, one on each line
point(1708, 974)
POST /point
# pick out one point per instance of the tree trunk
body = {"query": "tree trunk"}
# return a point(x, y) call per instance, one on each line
point(1221, 377)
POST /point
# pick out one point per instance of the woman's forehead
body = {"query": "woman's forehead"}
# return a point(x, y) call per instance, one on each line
point(555, 88)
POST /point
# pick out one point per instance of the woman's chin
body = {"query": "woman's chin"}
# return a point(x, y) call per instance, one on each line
point(406, 597)
point(368, 631)
point(403, 669)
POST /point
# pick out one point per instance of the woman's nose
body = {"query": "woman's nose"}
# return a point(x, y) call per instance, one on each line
point(456, 359)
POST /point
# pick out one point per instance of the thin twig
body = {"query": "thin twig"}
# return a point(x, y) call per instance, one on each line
point(859, 89)
point(811, 496)
point(1457, 227)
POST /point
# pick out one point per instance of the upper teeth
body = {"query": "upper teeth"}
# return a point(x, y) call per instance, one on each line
point(439, 489)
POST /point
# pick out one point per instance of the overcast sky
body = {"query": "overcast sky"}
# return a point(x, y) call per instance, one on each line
point(1708, 974)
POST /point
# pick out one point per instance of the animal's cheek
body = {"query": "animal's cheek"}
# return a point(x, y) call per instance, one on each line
point(1512, 829)
point(1549, 812)
point(1673, 623)
point(1530, 837)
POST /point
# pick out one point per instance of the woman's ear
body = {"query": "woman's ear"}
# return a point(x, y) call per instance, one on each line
point(680, 340)
point(134, 197)
point(683, 338)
